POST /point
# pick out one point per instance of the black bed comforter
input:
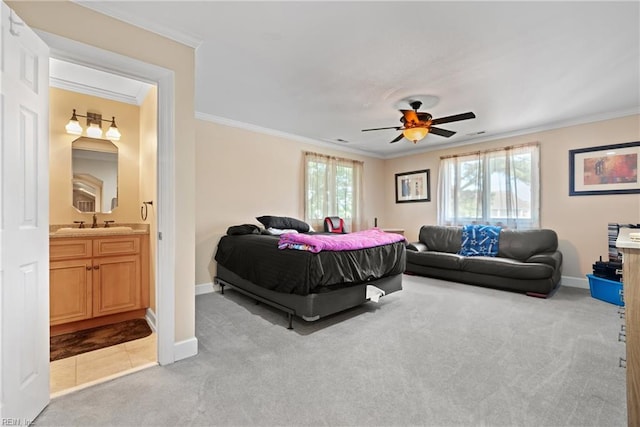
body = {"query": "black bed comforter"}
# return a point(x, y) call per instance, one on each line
point(257, 258)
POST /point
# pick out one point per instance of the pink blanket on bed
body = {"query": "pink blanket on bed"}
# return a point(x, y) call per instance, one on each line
point(337, 242)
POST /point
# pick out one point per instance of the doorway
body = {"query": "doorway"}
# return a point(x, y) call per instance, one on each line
point(75, 52)
point(129, 175)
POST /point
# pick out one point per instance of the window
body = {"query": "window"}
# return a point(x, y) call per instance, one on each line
point(496, 187)
point(333, 187)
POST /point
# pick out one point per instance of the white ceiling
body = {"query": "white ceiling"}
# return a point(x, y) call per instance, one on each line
point(322, 71)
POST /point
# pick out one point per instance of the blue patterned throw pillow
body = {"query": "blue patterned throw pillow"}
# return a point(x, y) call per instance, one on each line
point(480, 240)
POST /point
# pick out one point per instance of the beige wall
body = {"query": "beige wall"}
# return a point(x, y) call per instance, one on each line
point(148, 178)
point(242, 174)
point(61, 104)
point(75, 22)
point(580, 221)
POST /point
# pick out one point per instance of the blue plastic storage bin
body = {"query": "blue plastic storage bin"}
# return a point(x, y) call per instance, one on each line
point(606, 290)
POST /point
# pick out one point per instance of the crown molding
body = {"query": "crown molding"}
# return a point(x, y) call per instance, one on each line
point(99, 92)
point(105, 8)
point(484, 138)
point(268, 131)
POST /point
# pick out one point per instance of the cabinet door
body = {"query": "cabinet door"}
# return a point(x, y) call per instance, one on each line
point(116, 284)
point(70, 291)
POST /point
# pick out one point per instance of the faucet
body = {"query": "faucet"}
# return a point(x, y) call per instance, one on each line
point(95, 221)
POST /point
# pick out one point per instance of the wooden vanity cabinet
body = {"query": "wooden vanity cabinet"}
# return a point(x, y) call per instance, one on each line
point(97, 280)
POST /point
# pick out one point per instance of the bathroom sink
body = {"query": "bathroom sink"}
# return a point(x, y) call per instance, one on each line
point(102, 230)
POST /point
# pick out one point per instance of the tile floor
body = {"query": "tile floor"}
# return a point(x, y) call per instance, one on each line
point(86, 369)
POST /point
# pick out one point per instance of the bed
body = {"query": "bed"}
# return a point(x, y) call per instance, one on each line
point(307, 284)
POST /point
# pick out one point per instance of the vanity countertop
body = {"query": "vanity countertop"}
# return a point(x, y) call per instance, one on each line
point(72, 230)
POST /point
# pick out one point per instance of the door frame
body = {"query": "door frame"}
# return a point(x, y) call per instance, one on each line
point(93, 57)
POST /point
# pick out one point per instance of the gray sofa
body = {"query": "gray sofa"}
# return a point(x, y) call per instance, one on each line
point(527, 261)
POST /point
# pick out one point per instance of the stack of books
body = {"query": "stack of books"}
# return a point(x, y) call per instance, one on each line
point(614, 254)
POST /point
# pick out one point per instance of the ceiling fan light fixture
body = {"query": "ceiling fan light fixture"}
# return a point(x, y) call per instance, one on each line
point(416, 124)
point(415, 134)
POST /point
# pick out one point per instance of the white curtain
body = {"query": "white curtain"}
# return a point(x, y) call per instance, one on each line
point(333, 187)
point(496, 187)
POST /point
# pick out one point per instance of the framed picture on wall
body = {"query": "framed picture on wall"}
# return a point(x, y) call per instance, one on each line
point(413, 186)
point(608, 169)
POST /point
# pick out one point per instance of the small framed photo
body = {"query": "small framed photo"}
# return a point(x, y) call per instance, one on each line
point(608, 169)
point(413, 186)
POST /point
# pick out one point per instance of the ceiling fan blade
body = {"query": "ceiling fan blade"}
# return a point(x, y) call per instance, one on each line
point(441, 132)
point(454, 118)
point(398, 138)
point(424, 117)
point(409, 116)
point(390, 127)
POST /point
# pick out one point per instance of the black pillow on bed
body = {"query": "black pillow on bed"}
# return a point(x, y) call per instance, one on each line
point(283, 223)
point(237, 230)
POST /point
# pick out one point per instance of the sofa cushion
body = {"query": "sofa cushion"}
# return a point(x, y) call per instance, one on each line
point(435, 259)
point(505, 267)
point(522, 244)
point(441, 238)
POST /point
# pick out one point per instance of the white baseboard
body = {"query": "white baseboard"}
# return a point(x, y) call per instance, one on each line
point(151, 319)
point(184, 349)
point(575, 282)
point(206, 288)
point(572, 282)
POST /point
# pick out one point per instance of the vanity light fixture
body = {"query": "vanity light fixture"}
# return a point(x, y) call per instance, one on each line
point(94, 126)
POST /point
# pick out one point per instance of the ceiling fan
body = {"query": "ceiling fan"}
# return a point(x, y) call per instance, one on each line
point(416, 125)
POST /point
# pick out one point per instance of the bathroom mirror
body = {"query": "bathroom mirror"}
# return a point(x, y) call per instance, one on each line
point(94, 164)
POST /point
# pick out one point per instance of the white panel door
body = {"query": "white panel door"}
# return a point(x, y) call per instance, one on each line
point(24, 222)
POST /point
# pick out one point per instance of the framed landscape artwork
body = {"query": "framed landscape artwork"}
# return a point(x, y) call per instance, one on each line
point(608, 169)
point(413, 186)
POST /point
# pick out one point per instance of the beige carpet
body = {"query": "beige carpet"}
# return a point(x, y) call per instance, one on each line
point(434, 354)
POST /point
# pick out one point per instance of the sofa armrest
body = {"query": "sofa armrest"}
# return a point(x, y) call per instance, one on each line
point(417, 246)
point(552, 259)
